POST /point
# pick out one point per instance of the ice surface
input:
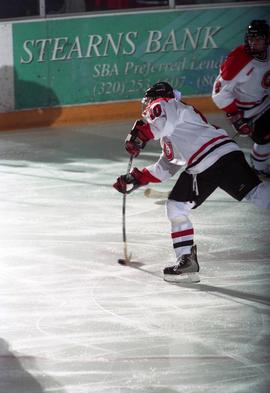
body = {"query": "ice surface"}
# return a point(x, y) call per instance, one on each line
point(73, 320)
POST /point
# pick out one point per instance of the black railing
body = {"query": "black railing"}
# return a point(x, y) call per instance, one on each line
point(12, 9)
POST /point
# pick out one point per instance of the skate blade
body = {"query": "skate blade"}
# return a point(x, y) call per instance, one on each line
point(182, 278)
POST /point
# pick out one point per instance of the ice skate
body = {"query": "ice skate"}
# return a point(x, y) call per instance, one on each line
point(186, 270)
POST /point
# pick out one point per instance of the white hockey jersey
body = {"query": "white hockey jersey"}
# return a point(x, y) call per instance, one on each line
point(243, 84)
point(186, 139)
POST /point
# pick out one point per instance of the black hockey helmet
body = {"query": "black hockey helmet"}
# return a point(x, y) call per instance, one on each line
point(257, 28)
point(159, 89)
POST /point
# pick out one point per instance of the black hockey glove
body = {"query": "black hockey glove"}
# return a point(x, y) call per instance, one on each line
point(135, 177)
point(138, 137)
point(240, 124)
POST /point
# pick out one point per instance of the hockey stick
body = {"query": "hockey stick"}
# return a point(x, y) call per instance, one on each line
point(127, 258)
point(154, 194)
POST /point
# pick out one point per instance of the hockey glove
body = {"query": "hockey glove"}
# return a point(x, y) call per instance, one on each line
point(138, 137)
point(135, 177)
point(240, 124)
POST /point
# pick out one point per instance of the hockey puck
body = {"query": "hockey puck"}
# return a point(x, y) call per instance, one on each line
point(122, 261)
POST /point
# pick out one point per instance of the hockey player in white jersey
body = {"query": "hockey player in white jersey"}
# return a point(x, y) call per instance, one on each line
point(211, 159)
point(242, 91)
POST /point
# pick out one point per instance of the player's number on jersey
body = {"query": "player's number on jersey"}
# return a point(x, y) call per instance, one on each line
point(155, 111)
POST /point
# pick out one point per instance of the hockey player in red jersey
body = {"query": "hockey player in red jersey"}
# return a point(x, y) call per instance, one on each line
point(242, 91)
point(210, 157)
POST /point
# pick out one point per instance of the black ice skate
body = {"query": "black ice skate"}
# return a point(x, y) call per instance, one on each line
point(186, 270)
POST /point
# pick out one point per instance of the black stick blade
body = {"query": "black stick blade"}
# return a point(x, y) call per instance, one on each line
point(122, 261)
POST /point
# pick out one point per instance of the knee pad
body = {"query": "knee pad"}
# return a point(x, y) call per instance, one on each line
point(178, 211)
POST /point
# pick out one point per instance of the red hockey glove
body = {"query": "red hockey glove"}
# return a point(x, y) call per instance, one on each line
point(138, 137)
point(240, 124)
point(135, 177)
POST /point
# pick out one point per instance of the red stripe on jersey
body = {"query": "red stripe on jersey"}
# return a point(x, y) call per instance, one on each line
point(230, 108)
point(203, 147)
point(235, 61)
point(233, 107)
point(182, 233)
point(247, 102)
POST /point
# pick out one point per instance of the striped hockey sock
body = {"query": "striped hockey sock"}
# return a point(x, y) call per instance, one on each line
point(182, 241)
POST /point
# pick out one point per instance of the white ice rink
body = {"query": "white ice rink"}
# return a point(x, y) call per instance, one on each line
point(72, 320)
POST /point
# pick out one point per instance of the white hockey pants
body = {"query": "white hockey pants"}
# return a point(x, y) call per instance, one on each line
point(182, 231)
point(260, 195)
